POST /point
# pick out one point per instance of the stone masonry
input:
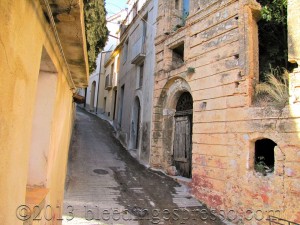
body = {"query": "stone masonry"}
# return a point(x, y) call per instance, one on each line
point(221, 44)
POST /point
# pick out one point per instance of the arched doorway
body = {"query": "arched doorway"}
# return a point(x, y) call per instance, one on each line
point(92, 100)
point(135, 124)
point(183, 135)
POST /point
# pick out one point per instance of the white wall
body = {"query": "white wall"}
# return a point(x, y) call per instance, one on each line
point(41, 128)
point(128, 76)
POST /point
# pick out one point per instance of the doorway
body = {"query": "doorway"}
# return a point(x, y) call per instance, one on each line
point(92, 101)
point(183, 135)
point(115, 104)
point(135, 124)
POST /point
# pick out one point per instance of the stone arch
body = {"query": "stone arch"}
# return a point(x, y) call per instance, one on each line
point(163, 135)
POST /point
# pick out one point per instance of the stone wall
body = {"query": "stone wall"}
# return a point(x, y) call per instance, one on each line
point(221, 44)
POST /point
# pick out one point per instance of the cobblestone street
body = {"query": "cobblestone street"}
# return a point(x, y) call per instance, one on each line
point(106, 185)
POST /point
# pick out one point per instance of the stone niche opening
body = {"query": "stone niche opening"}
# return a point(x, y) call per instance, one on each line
point(264, 156)
point(178, 55)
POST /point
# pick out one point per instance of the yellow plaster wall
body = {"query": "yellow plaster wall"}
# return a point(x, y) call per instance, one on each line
point(23, 34)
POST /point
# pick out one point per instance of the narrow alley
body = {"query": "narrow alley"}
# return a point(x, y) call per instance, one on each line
point(106, 185)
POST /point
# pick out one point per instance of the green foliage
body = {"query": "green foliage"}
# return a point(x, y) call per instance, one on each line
point(96, 30)
point(191, 70)
point(275, 90)
point(273, 48)
point(261, 166)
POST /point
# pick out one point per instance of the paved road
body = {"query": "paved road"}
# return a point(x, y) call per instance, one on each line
point(106, 185)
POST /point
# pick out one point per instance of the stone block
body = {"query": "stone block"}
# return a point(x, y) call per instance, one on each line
point(221, 139)
point(210, 116)
point(219, 15)
point(210, 161)
point(210, 150)
point(209, 128)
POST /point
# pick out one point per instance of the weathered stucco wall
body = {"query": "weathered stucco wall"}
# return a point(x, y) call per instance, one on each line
point(24, 33)
point(129, 77)
point(220, 42)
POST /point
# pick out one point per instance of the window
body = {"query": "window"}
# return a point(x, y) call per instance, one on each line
point(177, 4)
point(264, 156)
point(145, 28)
point(125, 51)
point(141, 75)
point(273, 47)
point(178, 56)
point(185, 10)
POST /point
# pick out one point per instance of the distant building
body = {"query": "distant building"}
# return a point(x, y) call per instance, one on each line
point(108, 97)
point(95, 90)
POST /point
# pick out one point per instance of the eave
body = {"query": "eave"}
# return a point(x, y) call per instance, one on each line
point(69, 22)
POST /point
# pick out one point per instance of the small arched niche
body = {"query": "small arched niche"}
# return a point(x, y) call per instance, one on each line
point(264, 157)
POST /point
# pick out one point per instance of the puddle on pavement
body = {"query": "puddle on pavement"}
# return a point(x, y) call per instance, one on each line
point(100, 171)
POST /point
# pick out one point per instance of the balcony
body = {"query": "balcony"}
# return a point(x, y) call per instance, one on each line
point(108, 82)
point(138, 51)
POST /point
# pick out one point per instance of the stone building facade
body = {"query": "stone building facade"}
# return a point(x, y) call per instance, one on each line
point(205, 125)
point(136, 77)
point(42, 64)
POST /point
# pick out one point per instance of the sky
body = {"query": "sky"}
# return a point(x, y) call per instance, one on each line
point(114, 6)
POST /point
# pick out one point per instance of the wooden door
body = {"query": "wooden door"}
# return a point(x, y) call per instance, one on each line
point(183, 145)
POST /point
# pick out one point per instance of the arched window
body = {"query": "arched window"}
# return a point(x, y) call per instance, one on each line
point(185, 102)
